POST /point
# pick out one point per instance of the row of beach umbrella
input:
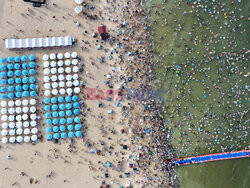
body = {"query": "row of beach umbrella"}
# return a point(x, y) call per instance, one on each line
point(60, 78)
point(61, 84)
point(12, 81)
point(63, 128)
point(18, 73)
point(64, 135)
point(19, 139)
point(19, 124)
point(12, 88)
point(18, 66)
point(23, 117)
point(11, 59)
point(59, 56)
point(62, 121)
point(18, 110)
point(66, 106)
point(19, 131)
point(47, 64)
point(61, 91)
point(60, 99)
point(18, 95)
point(61, 113)
point(60, 70)
point(24, 102)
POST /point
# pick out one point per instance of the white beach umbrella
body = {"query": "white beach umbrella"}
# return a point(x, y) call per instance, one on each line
point(46, 71)
point(61, 84)
point(25, 117)
point(59, 56)
point(12, 125)
point(61, 77)
point(67, 62)
point(78, 2)
point(26, 131)
point(60, 63)
point(5, 125)
point(45, 57)
point(109, 76)
point(67, 55)
point(25, 109)
point(19, 131)
point(26, 124)
point(25, 102)
point(53, 64)
point(54, 78)
point(52, 56)
point(69, 91)
point(4, 132)
point(33, 109)
point(47, 93)
point(75, 76)
point(68, 70)
point(19, 124)
point(46, 79)
point(4, 118)
point(3, 111)
point(75, 69)
point(18, 102)
point(54, 85)
point(45, 64)
point(77, 90)
point(47, 86)
point(69, 84)
point(4, 140)
point(11, 103)
point(18, 110)
point(33, 116)
point(62, 91)
point(26, 139)
point(34, 137)
point(53, 70)
point(11, 118)
point(32, 101)
point(60, 70)
point(55, 92)
point(78, 9)
point(12, 139)
point(76, 83)
point(3, 103)
point(12, 132)
point(33, 123)
point(19, 118)
point(68, 77)
point(19, 139)
point(74, 62)
point(11, 110)
point(74, 55)
point(34, 130)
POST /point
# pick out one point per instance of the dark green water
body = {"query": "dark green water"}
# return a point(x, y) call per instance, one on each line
point(202, 67)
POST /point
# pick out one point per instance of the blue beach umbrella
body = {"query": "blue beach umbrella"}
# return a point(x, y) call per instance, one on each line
point(53, 100)
point(55, 114)
point(2, 60)
point(17, 66)
point(47, 108)
point(32, 93)
point(32, 71)
point(63, 135)
point(11, 88)
point(3, 67)
point(68, 113)
point(3, 81)
point(32, 64)
point(46, 100)
point(24, 58)
point(77, 119)
point(31, 57)
point(11, 81)
point(78, 127)
point(69, 120)
point(68, 99)
point(10, 59)
point(3, 74)
point(61, 113)
point(68, 106)
point(18, 94)
point(49, 136)
point(76, 105)
point(10, 66)
point(10, 73)
point(78, 134)
point(3, 96)
point(55, 122)
point(32, 80)
point(17, 59)
point(62, 106)
point(3, 89)
point(60, 99)
point(32, 86)
point(48, 129)
point(56, 136)
point(48, 121)
point(74, 98)
point(11, 95)
point(18, 80)
point(18, 88)
point(25, 65)
point(25, 87)
point(71, 134)
point(54, 107)
point(25, 80)
point(25, 94)
point(47, 115)
point(25, 72)
point(55, 129)
point(62, 128)
point(70, 127)
point(18, 73)
point(62, 121)
point(76, 112)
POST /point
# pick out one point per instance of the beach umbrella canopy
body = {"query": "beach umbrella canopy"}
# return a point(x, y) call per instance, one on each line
point(53, 100)
point(32, 71)
point(68, 70)
point(47, 108)
point(74, 61)
point(11, 95)
point(26, 139)
point(4, 140)
point(11, 88)
point(55, 122)
point(48, 129)
point(19, 131)
point(4, 132)
point(61, 113)
point(75, 76)
point(5, 125)
point(32, 93)
point(32, 86)
point(76, 105)
point(34, 130)
point(70, 127)
point(75, 69)
point(76, 83)
point(71, 134)
point(19, 124)
point(32, 80)
point(19, 139)
point(61, 77)
point(77, 120)
point(25, 93)
point(25, 65)
point(18, 80)
point(74, 55)
point(53, 64)
point(60, 63)
point(18, 73)
point(12, 132)
point(3, 89)
point(60, 99)
point(46, 71)
point(3, 75)
point(26, 131)
point(53, 78)
point(32, 64)
point(11, 110)
point(33, 109)
point(45, 64)
point(67, 62)
point(3, 103)
point(54, 107)
point(67, 55)
point(49, 136)
point(62, 121)
point(18, 117)
point(68, 106)
point(68, 112)
point(63, 135)
point(53, 71)
point(3, 67)
point(46, 100)
point(25, 102)
point(11, 81)
point(67, 98)
point(33, 123)
point(69, 91)
point(47, 115)
point(17, 66)
point(25, 87)
point(47, 86)
point(18, 110)
point(78, 9)
point(25, 80)
point(32, 101)
point(4, 118)
point(10, 66)
point(33, 116)
point(52, 56)
point(26, 124)
point(62, 128)
point(47, 93)
point(10, 59)
point(54, 85)
point(12, 125)
point(34, 138)
point(3, 111)
point(74, 98)
point(55, 92)
point(48, 121)
point(78, 2)
point(2, 60)
point(69, 121)
point(68, 77)
point(31, 57)
point(62, 91)
point(24, 116)
point(78, 127)
point(17, 59)
point(45, 57)
point(12, 139)
point(3, 96)
point(60, 70)
point(10, 73)
point(55, 114)
point(59, 56)
point(4, 81)
point(69, 84)
point(78, 134)
point(56, 136)
point(77, 90)
point(55, 129)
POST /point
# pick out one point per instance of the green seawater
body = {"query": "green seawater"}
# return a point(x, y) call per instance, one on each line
point(201, 67)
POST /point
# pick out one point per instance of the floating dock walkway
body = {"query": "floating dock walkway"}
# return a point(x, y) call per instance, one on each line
point(214, 157)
